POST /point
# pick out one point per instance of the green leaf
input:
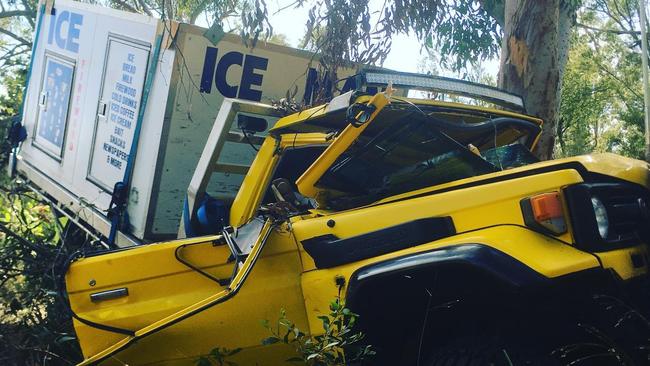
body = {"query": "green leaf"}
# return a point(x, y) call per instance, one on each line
point(428, 41)
point(334, 305)
point(325, 319)
point(331, 345)
point(203, 361)
point(65, 338)
point(270, 340)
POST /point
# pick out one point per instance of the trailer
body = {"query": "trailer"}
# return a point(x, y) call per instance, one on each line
point(117, 97)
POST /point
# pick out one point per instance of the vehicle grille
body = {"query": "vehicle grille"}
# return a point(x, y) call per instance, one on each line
point(627, 212)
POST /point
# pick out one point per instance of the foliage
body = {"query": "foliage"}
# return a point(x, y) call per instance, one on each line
point(17, 23)
point(13, 82)
point(218, 357)
point(35, 327)
point(585, 96)
point(601, 110)
point(464, 31)
point(475, 72)
point(602, 95)
point(249, 17)
point(338, 345)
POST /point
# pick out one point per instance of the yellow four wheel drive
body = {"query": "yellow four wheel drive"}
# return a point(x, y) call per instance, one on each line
point(449, 239)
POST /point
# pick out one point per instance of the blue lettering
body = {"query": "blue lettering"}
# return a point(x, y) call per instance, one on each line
point(128, 68)
point(63, 17)
point(209, 62)
point(122, 121)
point(229, 59)
point(72, 22)
point(114, 162)
point(125, 89)
point(76, 20)
point(116, 97)
point(250, 78)
point(216, 72)
point(118, 141)
point(50, 34)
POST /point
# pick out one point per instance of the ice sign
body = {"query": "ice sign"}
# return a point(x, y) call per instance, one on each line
point(118, 111)
point(65, 29)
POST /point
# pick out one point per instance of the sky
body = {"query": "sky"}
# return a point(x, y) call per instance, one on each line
point(405, 52)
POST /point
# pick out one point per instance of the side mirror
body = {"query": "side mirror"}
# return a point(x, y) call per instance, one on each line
point(250, 124)
point(359, 113)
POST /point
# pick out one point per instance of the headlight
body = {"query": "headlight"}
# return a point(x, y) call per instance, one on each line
point(601, 216)
point(607, 216)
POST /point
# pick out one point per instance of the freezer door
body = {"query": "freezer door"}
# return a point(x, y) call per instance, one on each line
point(54, 104)
point(125, 68)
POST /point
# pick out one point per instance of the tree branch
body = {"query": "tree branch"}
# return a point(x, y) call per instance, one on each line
point(20, 239)
point(612, 31)
point(15, 36)
point(6, 58)
point(604, 68)
point(31, 17)
point(496, 9)
point(198, 10)
point(144, 7)
point(17, 13)
point(125, 6)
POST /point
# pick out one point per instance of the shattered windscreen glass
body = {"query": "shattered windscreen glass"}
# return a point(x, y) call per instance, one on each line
point(408, 148)
point(509, 156)
point(398, 155)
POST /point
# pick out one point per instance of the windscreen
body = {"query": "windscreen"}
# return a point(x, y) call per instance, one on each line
point(396, 155)
point(409, 147)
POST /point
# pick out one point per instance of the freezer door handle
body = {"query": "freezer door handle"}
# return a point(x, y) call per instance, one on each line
point(109, 294)
point(42, 101)
point(103, 108)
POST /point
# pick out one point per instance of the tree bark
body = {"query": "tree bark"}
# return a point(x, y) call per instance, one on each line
point(534, 53)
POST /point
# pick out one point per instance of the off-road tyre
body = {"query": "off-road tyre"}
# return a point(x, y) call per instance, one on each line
point(604, 332)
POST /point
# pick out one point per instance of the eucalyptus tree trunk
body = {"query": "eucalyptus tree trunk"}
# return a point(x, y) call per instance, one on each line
point(534, 52)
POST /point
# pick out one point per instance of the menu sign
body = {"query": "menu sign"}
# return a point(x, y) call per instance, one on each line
point(117, 114)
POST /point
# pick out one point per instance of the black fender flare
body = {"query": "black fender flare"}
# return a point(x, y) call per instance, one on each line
point(487, 259)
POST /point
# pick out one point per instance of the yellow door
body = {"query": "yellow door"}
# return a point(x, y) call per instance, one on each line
point(172, 302)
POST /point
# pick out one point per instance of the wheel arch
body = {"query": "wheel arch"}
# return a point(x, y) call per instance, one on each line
point(394, 297)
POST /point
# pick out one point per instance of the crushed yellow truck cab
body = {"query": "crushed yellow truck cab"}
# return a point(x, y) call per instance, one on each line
point(404, 207)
